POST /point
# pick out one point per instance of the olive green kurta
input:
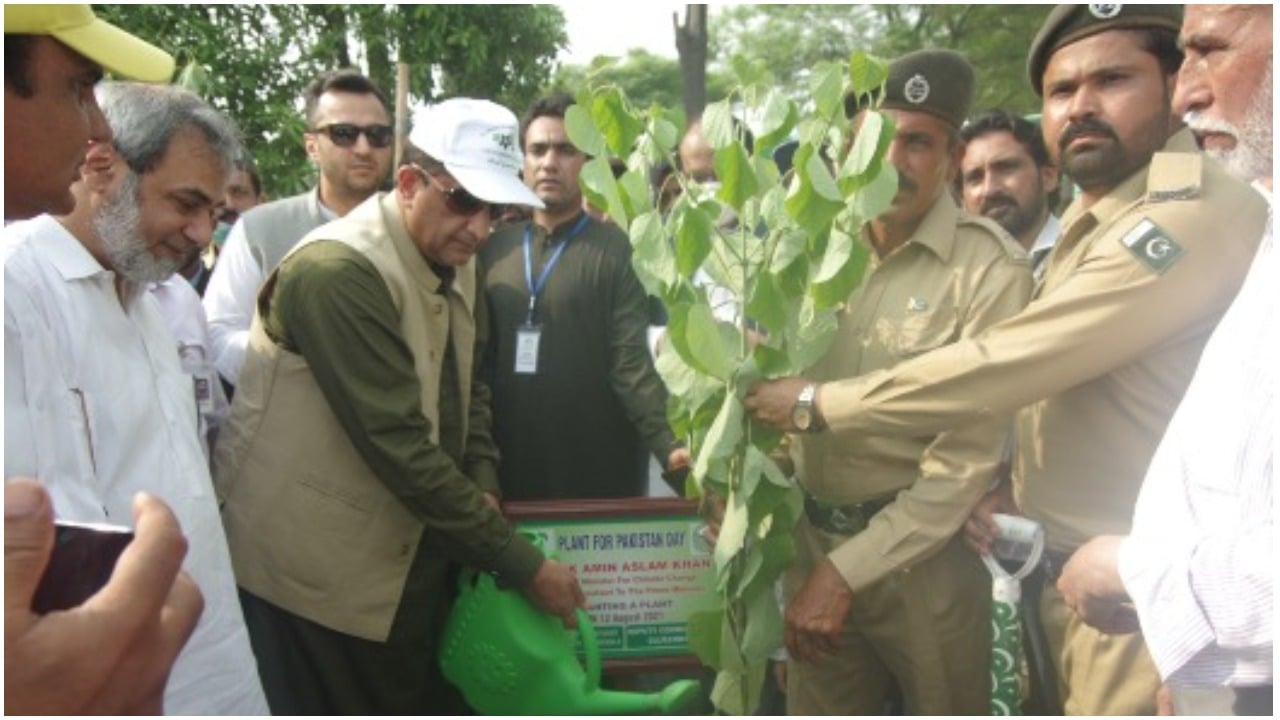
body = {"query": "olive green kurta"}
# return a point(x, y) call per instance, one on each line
point(926, 630)
point(331, 305)
point(579, 427)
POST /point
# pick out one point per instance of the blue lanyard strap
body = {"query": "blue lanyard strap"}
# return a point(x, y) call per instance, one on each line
point(536, 289)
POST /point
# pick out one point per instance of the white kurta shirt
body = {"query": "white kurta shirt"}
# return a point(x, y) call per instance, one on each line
point(97, 408)
point(1198, 563)
point(179, 305)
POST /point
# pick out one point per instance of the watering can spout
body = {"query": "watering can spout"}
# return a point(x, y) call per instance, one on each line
point(509, 658)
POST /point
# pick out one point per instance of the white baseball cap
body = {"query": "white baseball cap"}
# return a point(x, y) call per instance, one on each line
point(478, 142)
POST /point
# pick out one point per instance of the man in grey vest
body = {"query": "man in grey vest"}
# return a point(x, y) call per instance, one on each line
point(348, 137)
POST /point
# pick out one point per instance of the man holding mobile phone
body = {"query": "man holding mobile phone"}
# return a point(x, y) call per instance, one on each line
point(112, 654)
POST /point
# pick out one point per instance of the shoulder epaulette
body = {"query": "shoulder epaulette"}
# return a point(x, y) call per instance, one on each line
point(1175, 176)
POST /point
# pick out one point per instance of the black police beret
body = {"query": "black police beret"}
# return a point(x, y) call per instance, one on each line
point(1069, 23)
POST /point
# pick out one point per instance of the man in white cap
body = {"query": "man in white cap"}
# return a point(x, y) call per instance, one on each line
point(53, 56)
point(358, 463)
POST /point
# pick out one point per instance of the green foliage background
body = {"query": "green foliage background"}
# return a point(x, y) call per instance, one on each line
point(259, 58)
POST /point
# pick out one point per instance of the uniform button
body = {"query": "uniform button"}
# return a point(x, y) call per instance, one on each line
point(404, 549)
point(438, 309)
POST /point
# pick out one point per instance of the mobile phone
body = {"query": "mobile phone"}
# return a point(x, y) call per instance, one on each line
point(84, 554)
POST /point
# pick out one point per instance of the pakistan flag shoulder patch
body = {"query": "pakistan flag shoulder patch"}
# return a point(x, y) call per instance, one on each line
point(1152, 246)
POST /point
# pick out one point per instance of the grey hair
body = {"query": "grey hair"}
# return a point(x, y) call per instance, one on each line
point(144, 118)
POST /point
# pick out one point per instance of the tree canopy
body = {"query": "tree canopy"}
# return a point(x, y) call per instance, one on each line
point(258, 59)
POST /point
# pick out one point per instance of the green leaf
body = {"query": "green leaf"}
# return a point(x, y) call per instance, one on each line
point(777, 117)
point(619, 127)
point(749, 71)
point(826, 87)
point(684, 383)
point(764, 621)
point(791, 244)
point(717, 124)
point(877, 195)
point(693, 234)
point(733, 531)
point(707, 344)
point(767, 305)
point(664, 133)
point(839, 247)
point(704, 636)
point(863, 155)
point(841, 285)
point(651, 254)
point(598, 184)
point(635, 193)
point(814, 199)
point(809, 338)
point(867, 73)
point(195, 78)
point(738, 692)
point(582, 132)
point(737, 177)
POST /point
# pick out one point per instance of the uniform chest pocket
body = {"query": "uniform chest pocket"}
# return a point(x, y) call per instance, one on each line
point(921, 332)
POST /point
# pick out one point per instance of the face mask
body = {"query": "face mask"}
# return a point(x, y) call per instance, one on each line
point(220, 232)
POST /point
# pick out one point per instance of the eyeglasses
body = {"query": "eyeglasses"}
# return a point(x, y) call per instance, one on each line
point(345, 135)
point(459, 201)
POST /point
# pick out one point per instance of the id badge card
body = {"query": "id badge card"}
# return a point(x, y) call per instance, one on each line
point(527, 339)
point(204, 392)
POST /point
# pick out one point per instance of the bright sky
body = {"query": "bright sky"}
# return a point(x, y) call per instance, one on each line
point(612, 28)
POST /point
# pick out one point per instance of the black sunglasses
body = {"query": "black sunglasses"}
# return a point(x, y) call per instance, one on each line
point(459, 201)
point(345, 135)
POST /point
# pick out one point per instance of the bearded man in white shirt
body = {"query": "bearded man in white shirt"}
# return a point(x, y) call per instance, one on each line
point(96, 404)
point(1196, 571)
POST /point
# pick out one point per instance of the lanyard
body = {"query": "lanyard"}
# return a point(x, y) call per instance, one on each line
point(536, 289)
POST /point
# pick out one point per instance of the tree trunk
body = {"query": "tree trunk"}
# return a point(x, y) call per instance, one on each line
point(691, 44)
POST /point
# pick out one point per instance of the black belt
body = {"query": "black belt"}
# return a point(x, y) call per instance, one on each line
point(842, 519)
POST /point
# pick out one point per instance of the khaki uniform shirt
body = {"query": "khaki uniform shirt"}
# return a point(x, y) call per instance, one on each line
point(1100, 358)
point(954, 277)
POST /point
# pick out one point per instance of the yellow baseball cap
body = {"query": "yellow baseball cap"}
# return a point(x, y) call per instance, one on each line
point(105, 44)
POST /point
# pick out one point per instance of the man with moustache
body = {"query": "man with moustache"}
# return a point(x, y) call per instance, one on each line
point(93, 388)
point(879, 539)
point(348, 138)
point(358, 463)
point(1152, 252)
point(1006, 175)
point(1197, 567)
point(576, 399)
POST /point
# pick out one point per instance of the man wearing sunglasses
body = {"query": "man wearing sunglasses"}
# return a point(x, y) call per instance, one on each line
point(358, 463)
point(349, 139)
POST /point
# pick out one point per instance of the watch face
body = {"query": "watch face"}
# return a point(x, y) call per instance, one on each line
point(801, 418)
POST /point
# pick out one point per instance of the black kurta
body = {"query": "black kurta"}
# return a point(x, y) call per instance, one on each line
point(579, 427)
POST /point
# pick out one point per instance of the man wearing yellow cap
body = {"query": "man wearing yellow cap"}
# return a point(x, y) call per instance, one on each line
point(53, 56)
point(113, 654)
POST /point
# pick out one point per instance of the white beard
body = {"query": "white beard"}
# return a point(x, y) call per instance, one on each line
point(119, 226)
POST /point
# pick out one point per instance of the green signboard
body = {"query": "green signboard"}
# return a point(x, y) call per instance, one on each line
point(643, 574)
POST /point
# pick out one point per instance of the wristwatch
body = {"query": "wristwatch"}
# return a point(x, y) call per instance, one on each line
point(804, 414)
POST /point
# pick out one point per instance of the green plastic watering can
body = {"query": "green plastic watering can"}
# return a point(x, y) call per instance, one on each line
point(509, 658)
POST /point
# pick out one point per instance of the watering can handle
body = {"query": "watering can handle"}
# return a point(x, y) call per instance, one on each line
point(591, 648)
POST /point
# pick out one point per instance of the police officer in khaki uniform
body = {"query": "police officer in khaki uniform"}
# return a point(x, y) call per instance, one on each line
point(882, 513)
point(1152, 252)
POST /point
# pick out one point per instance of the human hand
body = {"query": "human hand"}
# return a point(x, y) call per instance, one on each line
point(1091, 586)
point(112, 654)
point(815, 617)
point(493, 502)
point(771, 401)
point(980, 530)
point(554, 589)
